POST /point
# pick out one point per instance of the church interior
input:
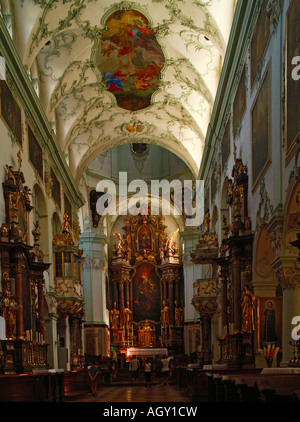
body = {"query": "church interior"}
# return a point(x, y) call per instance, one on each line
point(90, 270)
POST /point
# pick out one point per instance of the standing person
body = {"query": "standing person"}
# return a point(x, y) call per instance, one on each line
point(165, 369)
point(134, 366)
point(93, 373)
point(147, 369)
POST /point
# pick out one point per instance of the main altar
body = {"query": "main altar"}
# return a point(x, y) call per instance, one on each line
point(146, 285)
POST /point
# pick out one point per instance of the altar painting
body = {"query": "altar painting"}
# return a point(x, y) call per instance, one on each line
point(144, 238)
point(35, 153)
point(269, 320)
point(146, 293)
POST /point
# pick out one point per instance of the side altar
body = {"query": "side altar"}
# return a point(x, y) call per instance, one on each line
point(22, 347)
point(146, 285)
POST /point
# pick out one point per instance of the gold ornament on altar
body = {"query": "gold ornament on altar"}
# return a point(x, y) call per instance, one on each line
point(64, 238)
point(170, 246)
point(4, 231)
point(9, 311)
point(178, 315)
point(165, 321)
point(122, 249)
point(10, 174)
point(207, 222)
point(114, 317)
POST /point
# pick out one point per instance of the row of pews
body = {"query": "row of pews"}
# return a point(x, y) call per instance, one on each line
point(44, 386)
point(218, 383)
point(37, 386)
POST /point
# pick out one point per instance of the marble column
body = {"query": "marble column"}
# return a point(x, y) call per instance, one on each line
point(93, 278)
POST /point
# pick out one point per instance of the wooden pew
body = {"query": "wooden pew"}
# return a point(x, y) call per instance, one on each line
point(261, 387)
point(203, 384)
point(76, 384)
point(219, 384)
point(33, 387)
point(278, 388)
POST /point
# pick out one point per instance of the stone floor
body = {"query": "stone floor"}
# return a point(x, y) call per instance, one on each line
point(139, 393)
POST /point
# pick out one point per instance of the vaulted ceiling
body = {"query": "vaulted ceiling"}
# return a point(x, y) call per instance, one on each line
point(109, 73)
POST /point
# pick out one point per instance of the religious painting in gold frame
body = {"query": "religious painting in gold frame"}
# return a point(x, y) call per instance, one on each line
point(225, 145)
point(35, 152)
point(259, 41)
point(144, 238)
point(11, 112)
point(146, 293)
point(269, 321)
point(56, 194)
point(260, 128)
point(292, 103)
point(22, 219)
point(239, 103)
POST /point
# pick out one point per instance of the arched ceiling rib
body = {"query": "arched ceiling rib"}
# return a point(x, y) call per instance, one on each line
point(60, 38)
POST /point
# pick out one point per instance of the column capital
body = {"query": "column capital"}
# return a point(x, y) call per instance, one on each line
point(287, 271)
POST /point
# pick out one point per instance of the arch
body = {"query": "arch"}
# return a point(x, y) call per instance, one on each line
point(171, 145)
point(263, 256)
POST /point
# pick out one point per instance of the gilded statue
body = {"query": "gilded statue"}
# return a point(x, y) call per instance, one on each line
point(248, 306)
point(27, 192)
point(9, 311)
point(170, 247)
point(127, 316)
point(66, 224)
point(19, 160)
point(178, 315)
point(122, 249)
point(114, 317)
point(165, 315)
point(10, 174)
point(207, 221)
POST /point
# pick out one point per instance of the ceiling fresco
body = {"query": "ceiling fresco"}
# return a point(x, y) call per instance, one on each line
point(130, 59)
point(109, 73)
